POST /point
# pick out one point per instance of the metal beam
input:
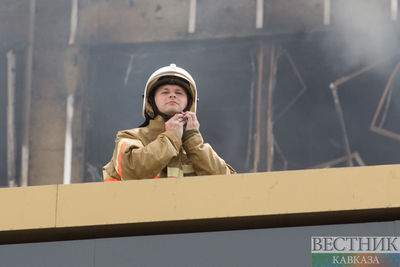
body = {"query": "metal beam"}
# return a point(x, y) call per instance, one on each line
point(27, 93)
point(11, 144)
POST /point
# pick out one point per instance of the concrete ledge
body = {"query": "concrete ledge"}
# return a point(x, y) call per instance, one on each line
point(209, 203)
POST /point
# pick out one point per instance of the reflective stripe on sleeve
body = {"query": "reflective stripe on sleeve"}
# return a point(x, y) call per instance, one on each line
point(120, 150)
point(174, 172)
point(112, 180)
point(187, 168)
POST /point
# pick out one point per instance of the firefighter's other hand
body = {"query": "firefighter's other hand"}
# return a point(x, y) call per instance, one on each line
point(191, 121)
point(175, 124)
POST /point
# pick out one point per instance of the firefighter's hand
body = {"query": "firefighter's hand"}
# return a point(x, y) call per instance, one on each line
point(175, 124)
point(191, 121)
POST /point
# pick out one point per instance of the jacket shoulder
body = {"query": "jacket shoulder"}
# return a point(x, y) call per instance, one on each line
point(134, 133)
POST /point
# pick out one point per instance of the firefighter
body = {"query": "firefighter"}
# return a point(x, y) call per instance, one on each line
point(168, 143)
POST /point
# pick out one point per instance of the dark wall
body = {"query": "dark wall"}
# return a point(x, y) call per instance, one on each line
point(309, 132)
point(221, 71)
point(263, 247)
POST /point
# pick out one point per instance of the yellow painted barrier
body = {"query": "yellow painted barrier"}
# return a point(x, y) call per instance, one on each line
point(219, 202)
point(28, 207)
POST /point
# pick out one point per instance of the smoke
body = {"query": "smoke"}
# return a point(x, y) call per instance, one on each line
point(366, 29)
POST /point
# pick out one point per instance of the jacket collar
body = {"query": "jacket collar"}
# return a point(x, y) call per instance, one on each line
point(157, 123)
point(155, 127)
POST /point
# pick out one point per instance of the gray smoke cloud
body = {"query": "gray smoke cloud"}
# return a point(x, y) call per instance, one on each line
point(366, 28)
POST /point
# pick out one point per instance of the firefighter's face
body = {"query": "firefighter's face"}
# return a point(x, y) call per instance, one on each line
point(170, 99)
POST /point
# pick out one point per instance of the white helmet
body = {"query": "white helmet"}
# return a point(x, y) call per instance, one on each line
point(178, 76)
